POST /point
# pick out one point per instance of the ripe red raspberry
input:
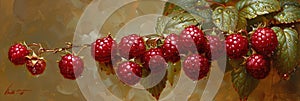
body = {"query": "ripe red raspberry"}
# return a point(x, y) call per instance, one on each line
point(257, 66)
point(129, 72)
point(170, 48)
point(102, 49)
point(191, 36)
point(36, 66)
point(132, 46)
point(153, 60)
point(264, 41)
point(196, 66)
point(236, 46)
point(173, 39)
point(17, 54)
point(215, 46)
point(71, 66)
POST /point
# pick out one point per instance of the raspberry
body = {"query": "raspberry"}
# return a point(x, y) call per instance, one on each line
point(264, 41)
point(17, 54)
point(257, 66)
point(236, 46)
point(132, 46)
point(36, 66)
point(71, 66)
point(196, 66)
point(129, 72)
point(102, 49)
point(153, 58)
point(173, 39)
point(190, 35)
point(170, 48)
point(215, 46)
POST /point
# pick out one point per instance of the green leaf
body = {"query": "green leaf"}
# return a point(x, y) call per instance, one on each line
point(289, 14)
point(198, 7)
point(251, 8)
point(222, 1)
point(258, 20)
point(182, 13)
point(243, 83)
point(289, 2)
point(241, 24)
point(175, 23)
point(173, 70)
point(171, 8)
point(158, 88)
point(225, 19)
point(286, 57)
point(298, 49)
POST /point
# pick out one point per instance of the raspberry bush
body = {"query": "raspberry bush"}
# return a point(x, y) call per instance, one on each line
point(260, 35)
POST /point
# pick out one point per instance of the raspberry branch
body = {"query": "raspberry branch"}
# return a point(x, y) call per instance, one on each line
point(65, 49)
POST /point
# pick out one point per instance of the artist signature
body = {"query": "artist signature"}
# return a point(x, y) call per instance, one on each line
point(10, 91)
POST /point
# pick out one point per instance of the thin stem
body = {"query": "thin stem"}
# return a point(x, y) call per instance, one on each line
point(68, 46)
point(84, 45)
point(33, 45)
